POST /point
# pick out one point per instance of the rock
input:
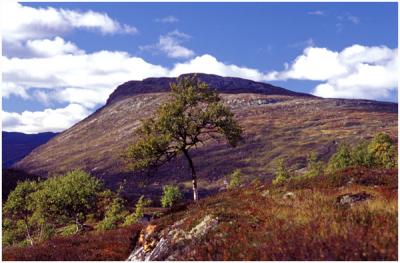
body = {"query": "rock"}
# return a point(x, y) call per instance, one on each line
point(171, 242)
point(289, 195)
point(265, 193)
point(351, 199)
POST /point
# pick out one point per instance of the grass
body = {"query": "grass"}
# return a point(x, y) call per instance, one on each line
point(308, 227)
point(108, 245)
point(256, 222)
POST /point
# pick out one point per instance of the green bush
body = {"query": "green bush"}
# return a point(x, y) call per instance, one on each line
point(114, 215)
point(379, 152)
point(360, 155)
point(314, 167)
point(282, 174)
point(235, 179)
point(171, 196)
point(40, 208)
point(341, 159)
point(383, 151)
point(139, 211)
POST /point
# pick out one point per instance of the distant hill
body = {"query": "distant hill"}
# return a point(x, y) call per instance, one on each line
point(277, 123)
point(17, 145)
point(10, 178)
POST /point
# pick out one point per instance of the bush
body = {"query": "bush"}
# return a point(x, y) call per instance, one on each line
point(171, 196)
point(236, 179)
point(341, 159)
point(39, 208)
point(139, 211)
point(314, 167)
point(383, 151)
point(282, 174)
point(69, 198)
point(360, 155)
point(114, 215)
point(18, 209)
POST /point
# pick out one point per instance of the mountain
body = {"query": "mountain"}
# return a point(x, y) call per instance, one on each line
point(276, 122)
point(17, 145)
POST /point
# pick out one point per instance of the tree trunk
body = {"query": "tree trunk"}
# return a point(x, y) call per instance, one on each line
point(28, 235)
point(194, 177)
point(78, 224)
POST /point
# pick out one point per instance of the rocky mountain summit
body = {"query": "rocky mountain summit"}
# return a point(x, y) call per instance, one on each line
point(276, 123)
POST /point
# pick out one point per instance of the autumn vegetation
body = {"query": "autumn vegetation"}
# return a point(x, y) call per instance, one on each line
point(297, 215)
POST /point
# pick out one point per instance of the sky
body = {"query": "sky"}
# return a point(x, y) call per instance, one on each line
point(61, 61)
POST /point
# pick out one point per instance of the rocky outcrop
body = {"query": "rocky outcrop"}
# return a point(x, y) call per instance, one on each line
point(172, 242)
point(347, 200)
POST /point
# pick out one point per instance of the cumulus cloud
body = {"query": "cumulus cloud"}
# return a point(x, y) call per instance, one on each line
point(167, 19)
point(37, 31)
point(20, 23)
point(40, 121)
point(355, 72)
point(51, 47)
point(171, 45)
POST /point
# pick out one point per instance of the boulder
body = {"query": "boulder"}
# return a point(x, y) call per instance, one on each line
point(351, 199)
point(171, 242)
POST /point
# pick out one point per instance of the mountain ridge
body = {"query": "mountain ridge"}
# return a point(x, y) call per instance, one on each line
point(275, 125)
point(220, 84)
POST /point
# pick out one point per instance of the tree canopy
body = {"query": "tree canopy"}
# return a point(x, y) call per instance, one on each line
point(193, 114)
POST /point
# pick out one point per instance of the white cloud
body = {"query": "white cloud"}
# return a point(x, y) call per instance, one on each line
point(40, 121)
point(209, 64)
point(355, 72)
point(171, 45)
point(51, 47)
point(167, 19)
point(20, 23)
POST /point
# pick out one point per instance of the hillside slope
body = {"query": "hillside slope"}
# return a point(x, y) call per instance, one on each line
point(276, 123)
point(349, 216)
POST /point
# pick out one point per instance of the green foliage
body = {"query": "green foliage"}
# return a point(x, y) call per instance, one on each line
point(139, 211)
point(68, 230)
point(282, 173)
point(360, 155)
point(19, 204)
point(382, 151)
point(341, 159)
point(171, 196)
point(379, 152)
point(114, 215)
point(235, 179)
point(314, 167)
point(69, 198)
point(36, 209)
point(193, 115)
point(18, 209)
point(14, 232)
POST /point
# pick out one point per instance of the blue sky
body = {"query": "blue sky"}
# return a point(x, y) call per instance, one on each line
point(53, 56)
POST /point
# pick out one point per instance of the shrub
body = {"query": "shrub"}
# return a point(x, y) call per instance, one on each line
point(139, 211)
point(40, 207)
point(171, 196)
point(314, 167)
point(341, 159)
point(383, 151)
point(69, 198)
point(360, 155)
point(236, 179)
point(282, 174)
point(114, 215)
point(19, 207)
